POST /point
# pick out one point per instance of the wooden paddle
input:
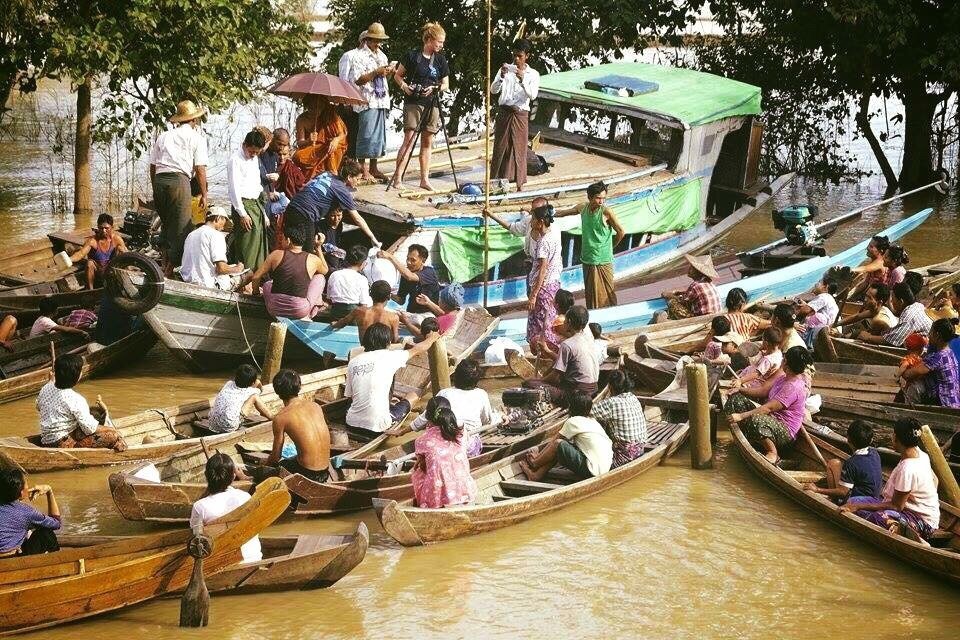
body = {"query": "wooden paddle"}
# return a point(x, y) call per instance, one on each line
point(813, 446)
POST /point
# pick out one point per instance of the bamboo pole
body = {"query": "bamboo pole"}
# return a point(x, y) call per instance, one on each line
point(486, 162)
point(698, 401)
point(439, 366)
point(271, 361)
point(948, 482)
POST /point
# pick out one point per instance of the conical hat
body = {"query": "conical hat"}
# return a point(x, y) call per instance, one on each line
point(703, 264)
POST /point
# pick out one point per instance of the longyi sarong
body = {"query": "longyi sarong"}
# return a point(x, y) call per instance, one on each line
point(281, 305)
point(371, 134)
point(540, 321)
point(598, 286)
point(250, 247)
point(511, 132)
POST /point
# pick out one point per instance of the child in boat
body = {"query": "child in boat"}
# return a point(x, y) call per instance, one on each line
point(767, 363)
point(912, 391)
point(860, 475)
point(598, 342)
point(821, 311)
point(24, 530)
point(550, 346)
point(220, 499)
point(582, 446)
point(46, 324)
point(908, 504)
point(444, 311)
point(236, 400)
point(441, 477)
point(722, 342)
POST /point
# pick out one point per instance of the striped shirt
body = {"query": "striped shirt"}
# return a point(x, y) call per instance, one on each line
point(743, 323)
point(913, 318)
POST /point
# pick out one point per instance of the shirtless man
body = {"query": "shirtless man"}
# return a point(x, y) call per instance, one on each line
point(302, 420)
point(363, 317)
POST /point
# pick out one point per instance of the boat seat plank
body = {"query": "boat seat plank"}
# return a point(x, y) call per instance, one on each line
point(527, 487)
point(804, 477)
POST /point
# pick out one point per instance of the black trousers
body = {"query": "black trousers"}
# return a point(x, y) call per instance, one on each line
point(40, 541)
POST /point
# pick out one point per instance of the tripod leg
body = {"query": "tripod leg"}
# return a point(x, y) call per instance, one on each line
point(446, 136)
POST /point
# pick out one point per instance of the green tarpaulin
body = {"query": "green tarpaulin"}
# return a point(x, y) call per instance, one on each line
point(689, 97)
point(675, 208)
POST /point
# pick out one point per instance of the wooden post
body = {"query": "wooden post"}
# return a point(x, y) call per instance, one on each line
point(948, 483)
point(271, 361)
point(195, 601)
point(439, 366)
point(698, 401)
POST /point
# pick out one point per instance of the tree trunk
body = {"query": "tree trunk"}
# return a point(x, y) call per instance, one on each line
point(918, 106)
point(82, 196)
point(863, 123)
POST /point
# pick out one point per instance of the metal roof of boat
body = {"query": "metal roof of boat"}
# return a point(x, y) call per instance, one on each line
point(690, 98)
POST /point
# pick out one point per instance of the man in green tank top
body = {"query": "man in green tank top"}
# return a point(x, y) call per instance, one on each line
point(600, 233)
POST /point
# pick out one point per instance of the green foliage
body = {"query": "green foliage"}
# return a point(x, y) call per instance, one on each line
point(24, 40)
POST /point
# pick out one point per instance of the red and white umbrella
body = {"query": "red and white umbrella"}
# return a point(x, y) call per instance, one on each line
point(319, 84)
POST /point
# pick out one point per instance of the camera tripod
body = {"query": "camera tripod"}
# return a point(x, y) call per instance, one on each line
point(418, 132)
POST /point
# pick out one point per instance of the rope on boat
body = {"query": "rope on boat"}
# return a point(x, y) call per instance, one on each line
point(244, 332)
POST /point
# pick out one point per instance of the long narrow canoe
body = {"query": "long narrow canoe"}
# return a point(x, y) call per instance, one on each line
point(506, 497)
point(943, 562)
point(829, 348)
point(43, 590)
point(290, 563)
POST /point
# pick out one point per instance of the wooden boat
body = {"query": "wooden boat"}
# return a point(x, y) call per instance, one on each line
point(159, 433)
point(505, 497)
point(290, 563)
point(27, 375)
point(43, 590)
point(943, 562)
point(827, 348)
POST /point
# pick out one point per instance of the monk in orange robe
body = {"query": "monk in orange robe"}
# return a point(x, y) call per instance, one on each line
point(321, 138)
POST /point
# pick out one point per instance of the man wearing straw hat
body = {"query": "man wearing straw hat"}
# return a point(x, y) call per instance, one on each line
point(701, 297)
point(176, 155)
point(369, 70)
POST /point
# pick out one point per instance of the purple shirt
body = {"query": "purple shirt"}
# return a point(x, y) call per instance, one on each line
point(792, 394)
point(941, 383)
point(16, 518)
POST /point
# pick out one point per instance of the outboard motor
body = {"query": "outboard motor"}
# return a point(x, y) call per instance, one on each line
point(143, 227)
point(524, 409)
point(796, 222)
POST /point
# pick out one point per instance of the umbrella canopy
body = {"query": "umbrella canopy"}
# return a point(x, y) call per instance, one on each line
point(319, 84)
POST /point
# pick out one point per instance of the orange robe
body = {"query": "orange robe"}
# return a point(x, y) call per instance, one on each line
point(317, 158)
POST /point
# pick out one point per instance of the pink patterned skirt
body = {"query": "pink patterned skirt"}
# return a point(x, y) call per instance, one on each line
point(540, 321)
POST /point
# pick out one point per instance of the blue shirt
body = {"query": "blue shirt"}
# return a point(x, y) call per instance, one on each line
point(16, 518)
point(320, 194)
point(862, 474)
point(269, 161)
point(955, 347)
point(428, 284)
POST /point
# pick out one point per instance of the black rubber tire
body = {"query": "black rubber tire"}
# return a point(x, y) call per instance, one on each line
point(149, 292)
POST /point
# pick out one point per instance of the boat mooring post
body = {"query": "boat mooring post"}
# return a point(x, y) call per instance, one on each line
point(271, 362)
point(948, 482)
point(698, 401)
point(439, 366)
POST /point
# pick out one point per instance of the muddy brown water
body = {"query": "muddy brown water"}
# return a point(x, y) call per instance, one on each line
point(673, 554)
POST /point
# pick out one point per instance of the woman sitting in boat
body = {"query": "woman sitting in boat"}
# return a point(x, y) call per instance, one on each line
point(582, 446)
point(911, 318)
point(785, 320)
point(701, 298)
point(236, 400)
point(938, 368)
point(894, 259)
point(746, 324)
point(25, 531)
point(295, 287)
point(99, 249)
point(441, 477)
point(908, 504)
point(773, 426)
point(220, 499)
point(622, 416)
point(65, 418)
point(874, 272)
point(874, 316)
point(860, 475)
point(470, 404)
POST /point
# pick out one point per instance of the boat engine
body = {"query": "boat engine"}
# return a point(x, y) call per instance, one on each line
point(143, 227)
point(525, 409)
point(797, 225)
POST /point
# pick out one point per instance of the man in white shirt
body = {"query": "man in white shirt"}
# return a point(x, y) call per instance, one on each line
point(205, 254)
point(370, 380)
point(176, 155)
point(368, 70)
point(348, 287)
point(347, 113)
point(517, 85)
point(249, 244)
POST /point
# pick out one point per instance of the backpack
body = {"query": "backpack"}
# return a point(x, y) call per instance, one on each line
point(536, 164)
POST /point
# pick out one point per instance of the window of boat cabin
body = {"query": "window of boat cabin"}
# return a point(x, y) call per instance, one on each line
point(630, 135)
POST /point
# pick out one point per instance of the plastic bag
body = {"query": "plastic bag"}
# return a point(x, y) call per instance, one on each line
point(381, 269)
point(494, 353)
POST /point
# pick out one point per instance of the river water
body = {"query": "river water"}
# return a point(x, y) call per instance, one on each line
point(675, 553)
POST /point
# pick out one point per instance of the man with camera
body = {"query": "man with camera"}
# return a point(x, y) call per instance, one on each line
point(517, 85)
point(422, 75)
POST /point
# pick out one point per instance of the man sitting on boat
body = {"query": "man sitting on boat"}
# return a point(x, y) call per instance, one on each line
point(295, 288)
point(66, 421)
point(874, 316)
point(938, 368)
point(370, 381)
point(348, 288)
point(581, 446)
point(701, 298)
point(220, 499)
point(25, 531)
point(45, 322)
point(205, 255)
point(576, 368)
point(912, 318)
point(365, 317)
point(622, 416)
point(99, 249)
point(302, 420)
point(416, 277)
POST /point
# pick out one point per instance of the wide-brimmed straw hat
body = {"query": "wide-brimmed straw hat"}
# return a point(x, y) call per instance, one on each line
point(703, 264)
point(376, 32)
point(731, 336)
point(187, 111)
